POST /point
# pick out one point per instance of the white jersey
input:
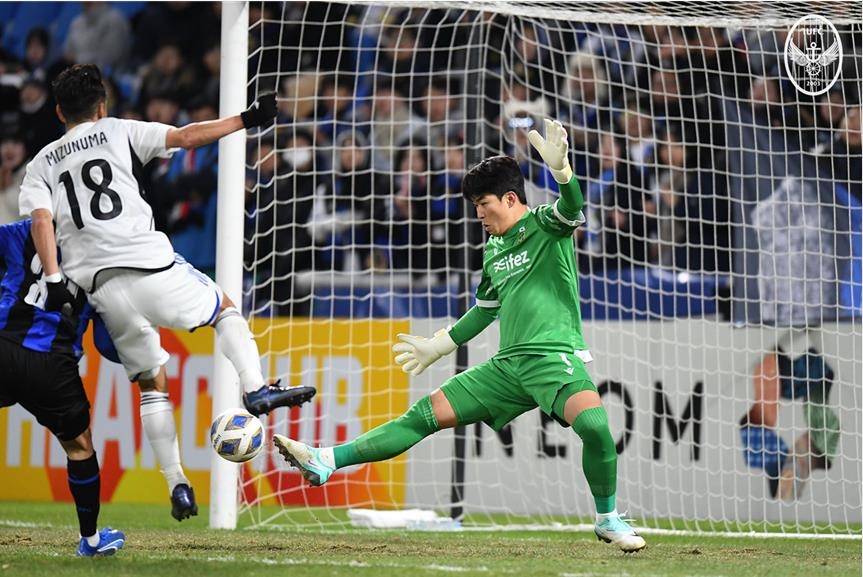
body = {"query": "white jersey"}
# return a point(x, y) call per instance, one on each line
point(90, 180)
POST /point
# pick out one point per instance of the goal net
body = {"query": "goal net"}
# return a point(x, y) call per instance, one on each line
point(718, 148)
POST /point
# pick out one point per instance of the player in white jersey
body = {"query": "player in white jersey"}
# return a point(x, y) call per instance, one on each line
point(89, 185)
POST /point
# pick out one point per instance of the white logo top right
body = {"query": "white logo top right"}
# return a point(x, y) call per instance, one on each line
point(813, 55)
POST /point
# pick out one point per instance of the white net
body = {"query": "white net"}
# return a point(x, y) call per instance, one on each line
point(720, 266)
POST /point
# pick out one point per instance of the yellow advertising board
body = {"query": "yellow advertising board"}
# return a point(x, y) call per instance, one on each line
point(350, 363)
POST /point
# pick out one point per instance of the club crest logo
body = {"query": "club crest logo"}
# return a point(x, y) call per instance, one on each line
point(813, 55)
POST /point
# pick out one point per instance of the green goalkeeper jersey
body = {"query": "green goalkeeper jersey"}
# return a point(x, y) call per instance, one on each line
point(531, 275)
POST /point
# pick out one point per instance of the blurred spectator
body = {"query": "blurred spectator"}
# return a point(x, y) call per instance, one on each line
point(280, 194)
point(100, 35)
point(163, 107)
point(113, 99)
point(401, 59)
point(298, 98)
point(764, 49)
point(830, 113)
point(531, 59)
point(440, 112)
point(847, 155)
point(192, 26)
point(259, 229)
point(340, 223)
point(299, 177)
point(445, 210)
point(38, 121)
point(585, 106)
point(335, 106)
point(37, 53)
point(168, 73)
point(189, 188)
point(770, 110)
point(519, 118)
point(11, 77)
point(669, 245)
point(636, 125)
point(211, 66)
point(674, 204)
point(410, 218)
point(390, 120)
point(615, 235)
point(13, 164)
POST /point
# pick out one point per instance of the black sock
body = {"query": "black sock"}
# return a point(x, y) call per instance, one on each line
point(84, 484)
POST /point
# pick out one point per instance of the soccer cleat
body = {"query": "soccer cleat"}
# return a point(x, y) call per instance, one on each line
point(183, 503)
point(270, 397)
point(304, 458)
point(110, 541)
point(616, 530)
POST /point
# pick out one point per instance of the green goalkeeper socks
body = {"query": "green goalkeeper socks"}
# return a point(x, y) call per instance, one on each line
point(598, 457)
point(390, 439)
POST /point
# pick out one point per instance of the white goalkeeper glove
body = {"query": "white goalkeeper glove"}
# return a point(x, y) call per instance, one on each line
point(417, 353)
point(554, 149)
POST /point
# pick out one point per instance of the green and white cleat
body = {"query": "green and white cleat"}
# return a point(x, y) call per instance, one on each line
point(616, 530)
point(304, 458)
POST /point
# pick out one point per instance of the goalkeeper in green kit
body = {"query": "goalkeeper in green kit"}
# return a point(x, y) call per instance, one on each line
point(529, 282)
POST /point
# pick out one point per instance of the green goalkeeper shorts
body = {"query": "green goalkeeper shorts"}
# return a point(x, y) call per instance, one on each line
point(498, 390)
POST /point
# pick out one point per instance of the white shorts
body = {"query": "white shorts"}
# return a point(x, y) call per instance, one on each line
point(134, 304)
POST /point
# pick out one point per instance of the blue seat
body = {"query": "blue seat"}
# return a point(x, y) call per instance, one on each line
point(7, 13)
point(29, 15)
point(60, 28)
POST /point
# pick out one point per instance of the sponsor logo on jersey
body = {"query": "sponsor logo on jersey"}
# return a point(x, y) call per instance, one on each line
point(511, 261)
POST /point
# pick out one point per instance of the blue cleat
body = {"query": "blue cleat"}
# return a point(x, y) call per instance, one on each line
point(183, 503)
point(304, 458)
point(270, 397)
point(110, 541)
point(616, 530)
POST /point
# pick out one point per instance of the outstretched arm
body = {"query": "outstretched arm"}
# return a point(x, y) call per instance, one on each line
point(554, 149)
point(472, 323)
point(417, 353)
point(201, 133)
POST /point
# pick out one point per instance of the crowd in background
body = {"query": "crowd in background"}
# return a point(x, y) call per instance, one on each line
point(362, 169)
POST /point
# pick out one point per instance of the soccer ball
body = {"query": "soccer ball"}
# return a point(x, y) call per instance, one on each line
point(237, 435)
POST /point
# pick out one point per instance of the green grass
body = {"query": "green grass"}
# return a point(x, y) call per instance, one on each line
point(39, 540)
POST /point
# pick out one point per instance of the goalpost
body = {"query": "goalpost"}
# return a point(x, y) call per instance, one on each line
point(720, 266)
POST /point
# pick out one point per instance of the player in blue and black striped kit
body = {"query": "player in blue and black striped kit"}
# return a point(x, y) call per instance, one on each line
point(39, 353)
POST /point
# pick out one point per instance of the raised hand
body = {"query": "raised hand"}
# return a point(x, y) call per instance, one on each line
point(554, 149)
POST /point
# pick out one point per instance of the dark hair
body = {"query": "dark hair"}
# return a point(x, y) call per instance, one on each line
point(40, 35)
point(496, 175)
point(78, 91)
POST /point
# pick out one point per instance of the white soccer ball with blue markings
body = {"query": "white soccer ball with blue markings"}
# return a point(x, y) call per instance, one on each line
point(237, 435)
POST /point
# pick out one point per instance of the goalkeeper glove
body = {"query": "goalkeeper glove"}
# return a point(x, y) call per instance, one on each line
point(554, 149)
point(417, 353)
point(260, 113)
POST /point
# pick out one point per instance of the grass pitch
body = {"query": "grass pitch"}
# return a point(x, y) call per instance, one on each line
point(40, 539)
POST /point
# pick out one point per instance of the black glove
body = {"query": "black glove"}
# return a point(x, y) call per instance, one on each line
point(260, 113)
point(57, 296)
